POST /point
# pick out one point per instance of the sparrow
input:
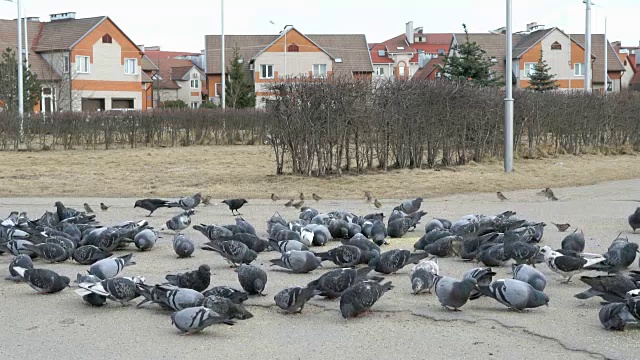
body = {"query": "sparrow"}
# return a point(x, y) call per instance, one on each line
point(302, 196)
point(274, 197)
point(298, 205)
point(501, 196)
point(562, 227)
point(88, 208)
point(316, 197)
point(103, 207)
point(289, 203)
point(367, 196)
point(377, 203)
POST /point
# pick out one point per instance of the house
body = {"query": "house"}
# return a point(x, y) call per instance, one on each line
point(291, 54)
point(432, 70)
point(84, 64)
point(615, 67)
point(149, 72)
point(628, 58)
point(402, 56)
point(177, 78)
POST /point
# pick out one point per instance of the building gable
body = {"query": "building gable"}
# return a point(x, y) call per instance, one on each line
point(98, 34)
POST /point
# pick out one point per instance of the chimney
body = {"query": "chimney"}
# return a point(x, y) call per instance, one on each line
point(141, 47)
point(63, 16)
point(616, 44)
point(532, 26)
point(409, 32)
point(33, 18)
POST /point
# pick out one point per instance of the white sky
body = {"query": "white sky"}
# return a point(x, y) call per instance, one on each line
point(181, 25)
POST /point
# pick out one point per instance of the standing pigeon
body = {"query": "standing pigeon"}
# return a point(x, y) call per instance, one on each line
point(226, 307)
point(237, 296)
point(287, 245)
point(343, 256)
point(410, 206)
point(178, 298)
point(195, 319)
point(483, 277)
point(515, 294)
point(518, 250)
point(117, 289)
point(252, 279)
point(49, 251)
point(187, 203)
point(235, 204)
point(183, 246)
point(89, 254)
point(298, 261)
point(611, 288)
point(567, 266)
point(530, 275)
point(88, 208)
point(616, 316)
point(233, 251)
point(292, 299)
point(399, 227)
point(335, 282)
point(634, 220)
point(43, 281)
point(110, 267)
point(104, 207)
point(23, 261)
point(65, 212)
point(574, 242)
point(197, 280)
point(378, 232)
point(618, 257)
point(180, 221)
point(361, 297)
point(394, 260)
point(213, 232)
point(151, 205)
point(422, 277)
point(145, 239)
point(491, 254)
point(453, 294)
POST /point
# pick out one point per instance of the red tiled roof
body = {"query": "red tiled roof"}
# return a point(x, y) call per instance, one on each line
point(632, 59)
point(433, 43)
point(166, 54)
point(377, 59)
point(428, 68)
point(165, 61)
point(429, 49)
point(636, 77)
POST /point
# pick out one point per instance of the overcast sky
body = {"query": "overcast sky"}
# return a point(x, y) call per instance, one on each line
point(181, 25)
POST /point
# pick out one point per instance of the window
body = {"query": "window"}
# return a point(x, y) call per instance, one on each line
point(319, 70)
point(122, 104)
point(380, 71)
point(556, 46)
point(194, 105)
point(83, 64)
point(381, 53)
point(195, 84)
point(266, 71)
point(194, 75)
point(218, 89)
point(131, 66)
point(438, 75)
point(401, 70)
point(65, 64)
point(440, 51)
point(529, 69)
point(293, 48)
point(578, 69)
point(107, 39)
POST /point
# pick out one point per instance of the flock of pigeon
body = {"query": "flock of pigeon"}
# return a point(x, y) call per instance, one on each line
point(358, 281)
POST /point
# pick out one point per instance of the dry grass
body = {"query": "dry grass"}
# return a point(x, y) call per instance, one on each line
point(248, 171)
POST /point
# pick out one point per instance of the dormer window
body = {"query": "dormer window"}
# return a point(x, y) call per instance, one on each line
point(400, 47)
point(107, 39)
point(381, 53)
point(556, 46)
point(293, 48)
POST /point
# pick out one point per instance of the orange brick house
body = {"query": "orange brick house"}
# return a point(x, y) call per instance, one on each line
point(306, 56)
point(84, 64)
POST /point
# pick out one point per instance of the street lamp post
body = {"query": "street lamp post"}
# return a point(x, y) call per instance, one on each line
point(606, 50)
point(20, 66)
point(508, 101)
point(222, 80)
point(587, 47)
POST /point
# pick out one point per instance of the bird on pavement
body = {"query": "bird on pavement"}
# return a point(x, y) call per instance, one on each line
point(377, 204)
point(302, 196)
point(151, 204)
point(634, 220)
point(562, 227)
point(274, 197)
point(367, 196)
point(501, 196)
point(288, 203)
point(206, 201)
point(104, 207)
point(88, 208)
point(235, 204)
point(316, 197)
point(188, 202)
point(298, 204)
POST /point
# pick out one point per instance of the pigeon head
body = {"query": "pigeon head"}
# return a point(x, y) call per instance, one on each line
point(58, 204)
point(546, 251)
point(241, 313)
point(205, 269)
point(65, 280)
point(417, 201)
point(374, 261)
point(347, 311)
point(417, 285)
point(251, 255)
point(538, 298)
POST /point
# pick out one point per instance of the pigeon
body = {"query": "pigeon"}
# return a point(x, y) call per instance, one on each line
point(180, 221)
point(361, 297)
point(611, 288)
point(145, 239)
point(453, 294)
point(104, 207)
point(501, 197)
point(298, 261)
point(88, 208)
point(178, 298)
point(616, 316)
point(423, 276)
point(252, 279)
point(65, 212)
point(195, 319)
point(442, 247)
point(343, 256)
point(518, 250)
point(89, 254)
point(245, 225)
point(187, 203)
point(86, 278)
point(292, 299)
point(108, 268)
point(574, 241)
point(316, 197)
point(117, 289)
point(151, 205)
point(49, 251)
point(17, 247)
point(213, 232)
point(362, 243)
point(399, 227)
point(619, 256)
point(483, 277)
point(233, 251)
point(515, 294)
point(235, 204)
point(43, 281)
point(530, 275)
point(288, 203)
point(410, 206)
point(492, 255)
point(367, 196)
point(236, 296)
point(633, 303)
point(335, 282)
point(206, 201)
point(377, 204)
point(562, 227)
point(393, 260)
point(287, 245)
point(252, 241)
point(23, 261)
point(567, 266)
point(226, 307)
point(634, 220)
point(197, 280)
point(274, 197)
point(183, 246)
point(298, 204)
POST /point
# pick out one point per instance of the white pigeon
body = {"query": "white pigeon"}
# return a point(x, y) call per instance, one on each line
point(567, 266)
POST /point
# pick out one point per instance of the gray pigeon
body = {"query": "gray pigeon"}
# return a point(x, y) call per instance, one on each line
point(110, 267)
point(178, 298)
point(245, 225)
point(145, 239)
point(43, 281)
point(620, 255)
point(183, 246)
point(483, 277)
point(23, 261)
point(292, 299)
point(230, 293)
point(226, 307)
point(394, 260)
point(233, 251)
point(616, 316)
point(17, 247)
point(118, 289)
point(574, 241)
point(410, 206)
point(378, 232)
point(399, 227)
point(611, 288)
point(530, 275)
point(422, 277)
point(65, 212)
point(442, 247)
point(363, 243)
point(335, 282)
point(518, 250)
point(634, 220)
point(298, 261)
point(86, 278)
point(515, 294)
point(433, 225)
point(180, 221)
point(49, 251)
point(195, 319)
point(361, 297)
point(343, 256)
point(453, 294)
point(89, 254)
point(287, 245)
point(187, 203)
point(252, 279)
point(213, 232)
point(197, 280)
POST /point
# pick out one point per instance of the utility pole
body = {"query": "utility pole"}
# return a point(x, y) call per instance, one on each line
point(26, 40)
point(222, 81)
point(606, 50)
point(587, 48)
point(508, 101)
point(20, 73)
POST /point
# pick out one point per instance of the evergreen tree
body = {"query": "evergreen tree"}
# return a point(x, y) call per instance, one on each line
point(540, 79)
point(470, 63)
point(239, 90)
point(9, 83)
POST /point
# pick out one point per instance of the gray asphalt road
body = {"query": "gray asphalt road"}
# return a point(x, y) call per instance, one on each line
point(401, 325)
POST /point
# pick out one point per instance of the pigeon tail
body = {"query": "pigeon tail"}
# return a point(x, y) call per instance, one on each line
point(386, 286)
point(587, 294)
point(416, 257)
point(278, 262)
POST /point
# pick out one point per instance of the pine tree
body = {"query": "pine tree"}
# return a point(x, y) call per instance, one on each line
point(9, 83)
point(469, 63)
point(540, 79)
point(239, 90)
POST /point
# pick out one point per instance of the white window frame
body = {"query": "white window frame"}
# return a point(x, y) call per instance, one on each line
point(135, 66)
point(215, 89)
point(66, 64)
point(264, 73)
point(197, 83)
point(382, 53)
point(580, 68)
point(401, 71)
point(79, 59)
point(317, 71)
point(531, 70)
point(380, 70)
point(194, 105)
